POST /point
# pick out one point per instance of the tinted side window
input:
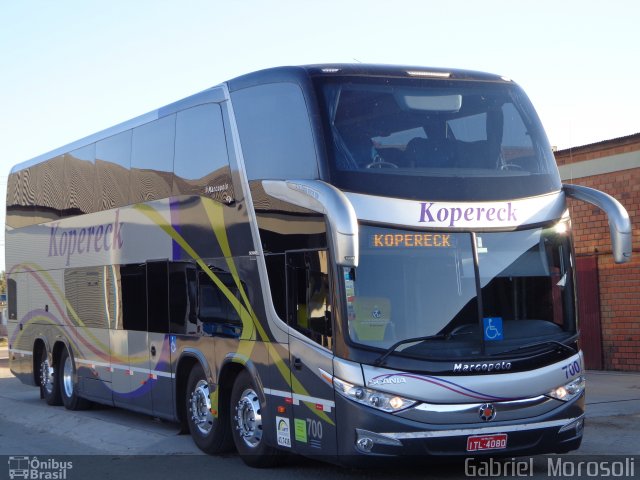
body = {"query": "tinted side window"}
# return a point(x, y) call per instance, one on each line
point(158, 296)
point(183, 301)
point(201, 163)
point(309, 308)
point(216, 313)
point(275, 132)
point(34, 194)
point(281, 232)
point(46, 178)
point(152, 160)
point(277, 282)
point(134, 297)
point(13, 218)
point(198, 306)
point(113, 164)
point(12, 299)
point(80, 180)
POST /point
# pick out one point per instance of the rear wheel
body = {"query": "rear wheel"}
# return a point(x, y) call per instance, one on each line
point(209, 432)
point(68, 384)
point(246, 423)
point(49, 386)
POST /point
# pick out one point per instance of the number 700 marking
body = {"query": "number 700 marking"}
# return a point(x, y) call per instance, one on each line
point(571, 369)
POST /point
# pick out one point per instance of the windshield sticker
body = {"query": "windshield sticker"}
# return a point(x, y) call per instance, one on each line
point(493, 328)
point(399, 240)
point(480, 247)
point(300, 426)
point(350, 291)
point(283, 431)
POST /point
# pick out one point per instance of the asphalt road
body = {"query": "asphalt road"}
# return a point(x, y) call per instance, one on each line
point(110, 443)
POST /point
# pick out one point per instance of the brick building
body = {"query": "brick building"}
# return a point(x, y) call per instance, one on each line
point(609, 294)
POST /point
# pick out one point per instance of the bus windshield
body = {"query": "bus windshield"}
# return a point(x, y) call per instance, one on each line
point(416, 284)
point(401, 137)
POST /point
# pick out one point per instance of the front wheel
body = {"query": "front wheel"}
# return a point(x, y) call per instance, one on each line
point(246, 424)
point(68, 384)
point(209, 432)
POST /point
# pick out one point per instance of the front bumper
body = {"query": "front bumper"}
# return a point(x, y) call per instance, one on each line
point(367, 433)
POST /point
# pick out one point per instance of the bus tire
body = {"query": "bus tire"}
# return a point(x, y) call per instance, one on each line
point(246, 424)
point(210, 433)
point(67, 379)
point(47, 377)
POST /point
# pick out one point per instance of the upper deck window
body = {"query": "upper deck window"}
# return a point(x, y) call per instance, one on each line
point(275, 132)
point(435, 139)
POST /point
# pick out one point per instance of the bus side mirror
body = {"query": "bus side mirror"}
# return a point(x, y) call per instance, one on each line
point(619, 222)
point(328, 200)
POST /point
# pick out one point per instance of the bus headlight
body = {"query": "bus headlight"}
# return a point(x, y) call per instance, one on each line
point(372, 398)
point(562, 227)
point(569, 391)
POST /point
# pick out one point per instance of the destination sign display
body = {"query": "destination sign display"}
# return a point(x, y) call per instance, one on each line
point(411, 240)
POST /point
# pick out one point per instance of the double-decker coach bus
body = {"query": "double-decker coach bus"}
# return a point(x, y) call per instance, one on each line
point(333, 260)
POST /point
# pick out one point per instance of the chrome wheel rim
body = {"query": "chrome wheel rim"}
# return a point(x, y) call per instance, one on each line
point(46, 376)
point(248, 418)
point(201, 407)
point(67, 377)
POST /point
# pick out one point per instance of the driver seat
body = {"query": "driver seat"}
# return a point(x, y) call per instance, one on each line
point(428, 153)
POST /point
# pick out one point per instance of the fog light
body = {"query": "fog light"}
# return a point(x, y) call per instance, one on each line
point(576, 425)
point(365, 444)
point(363, 437)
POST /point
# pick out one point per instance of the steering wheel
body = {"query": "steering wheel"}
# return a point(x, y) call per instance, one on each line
point(381, 164)
point(378, 161)
point(511, 166)
point(460, 330)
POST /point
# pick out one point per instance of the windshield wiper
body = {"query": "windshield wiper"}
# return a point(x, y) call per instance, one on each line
point(381, 359)
point(559, 345)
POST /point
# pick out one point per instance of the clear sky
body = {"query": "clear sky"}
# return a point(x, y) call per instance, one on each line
point(69, 68)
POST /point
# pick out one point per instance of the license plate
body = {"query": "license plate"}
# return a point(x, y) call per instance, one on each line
point(487, 442)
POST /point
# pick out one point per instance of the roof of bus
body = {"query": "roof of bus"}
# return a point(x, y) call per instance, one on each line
point(270, 75)
point(356, 69)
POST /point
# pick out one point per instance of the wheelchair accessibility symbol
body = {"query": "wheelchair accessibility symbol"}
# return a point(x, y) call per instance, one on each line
point(492, 328)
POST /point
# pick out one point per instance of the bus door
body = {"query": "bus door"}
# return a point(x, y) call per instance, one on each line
point(129, 350)
point(146, 340)
point(312, 424)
